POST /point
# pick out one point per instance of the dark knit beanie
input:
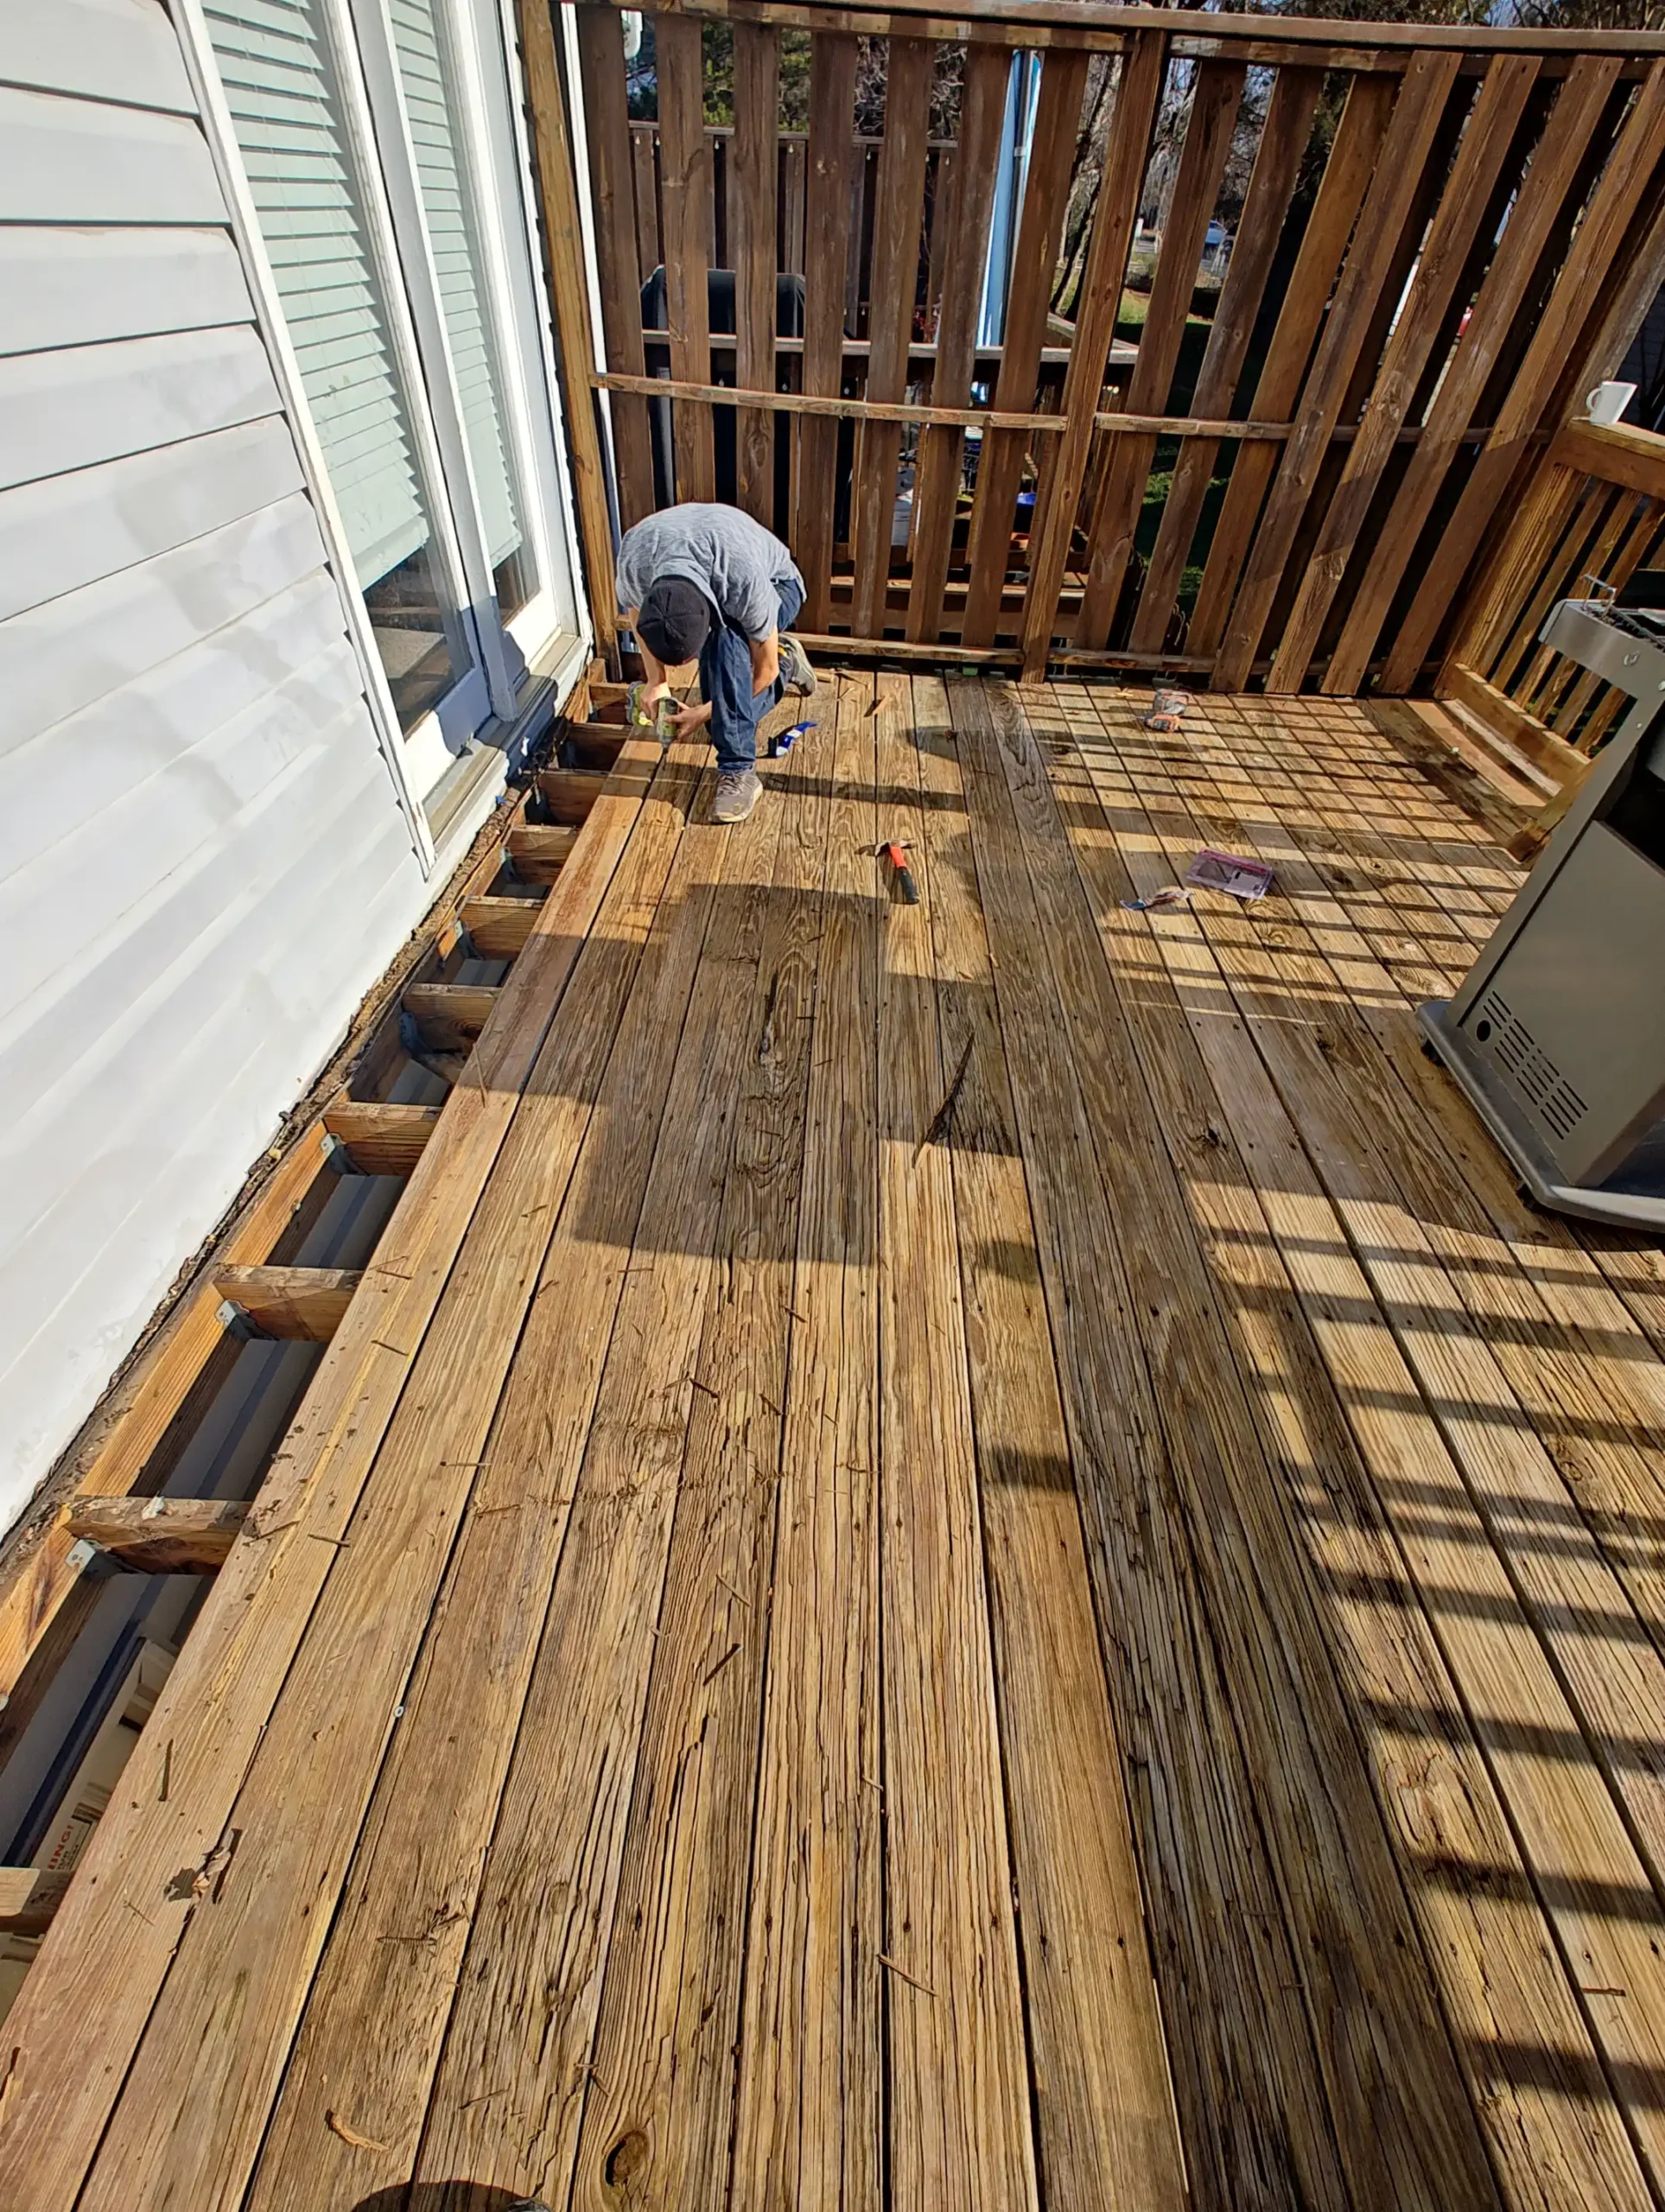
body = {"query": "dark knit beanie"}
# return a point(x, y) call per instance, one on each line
point(675, 620)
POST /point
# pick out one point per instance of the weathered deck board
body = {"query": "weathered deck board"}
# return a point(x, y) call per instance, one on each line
point(1114, 1655)
point(809, 2127)
point(1475, 1540)
point(1363, 1456)
point(959, 2092)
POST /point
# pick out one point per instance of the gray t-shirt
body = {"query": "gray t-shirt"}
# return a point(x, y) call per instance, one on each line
point(738, 564)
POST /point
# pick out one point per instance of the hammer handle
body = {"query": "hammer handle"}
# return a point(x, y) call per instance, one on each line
point(904, 874)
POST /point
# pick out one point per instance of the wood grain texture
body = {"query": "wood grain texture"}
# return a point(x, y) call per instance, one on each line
point(1143, 70)
point(1216, 1459)
point(958, 266)
point(415, 1874)
point(1324, 242)
point(306, 1303)
point(221, 1692)
point(832, 105)
point(1252, 2115)
point(808, 2124)
point(1103, 2107)
point(160, 1535)
point(1467, 195)
point(1034, 258)
point(899, 213)
point(551, 1897)
point(307, 1791)
point(670, 2007)
point(1089, 1630)
point(563, 252)
point(1499, 1476)
point(1629, 173)
point(1557, 158)
point(1501, 1982)
point(1215, 102)
point(1389, 206)
point(1282, 145)
point(606, 130)
point(959, 2108)
point(752, 194)
point(384, 1139)
point(685, 201)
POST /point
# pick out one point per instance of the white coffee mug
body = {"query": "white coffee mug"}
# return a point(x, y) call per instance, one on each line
point(1607, 402)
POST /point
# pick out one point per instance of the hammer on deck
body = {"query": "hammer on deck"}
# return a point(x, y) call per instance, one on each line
point(896, 852)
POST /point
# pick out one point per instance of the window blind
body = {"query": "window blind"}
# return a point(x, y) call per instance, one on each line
point(282, 88)
point(448, 211)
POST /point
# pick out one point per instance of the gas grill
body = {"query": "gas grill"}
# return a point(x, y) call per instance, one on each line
point(1558, 1032)
point(1624, 646)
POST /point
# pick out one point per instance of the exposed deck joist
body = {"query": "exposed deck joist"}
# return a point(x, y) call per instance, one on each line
point(787, 1662)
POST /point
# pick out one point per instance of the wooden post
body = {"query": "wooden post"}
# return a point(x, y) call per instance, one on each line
point(1143, 67)
point(570, 300)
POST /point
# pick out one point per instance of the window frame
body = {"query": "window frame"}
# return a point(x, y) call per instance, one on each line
point(482, 60)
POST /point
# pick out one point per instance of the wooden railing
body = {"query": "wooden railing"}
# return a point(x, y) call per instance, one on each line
point(1294, 477)
point(1593, 515)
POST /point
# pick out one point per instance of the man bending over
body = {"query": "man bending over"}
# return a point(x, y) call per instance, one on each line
point(707, 584)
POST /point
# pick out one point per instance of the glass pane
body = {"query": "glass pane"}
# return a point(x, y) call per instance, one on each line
point(284, 94)
point(450, 208)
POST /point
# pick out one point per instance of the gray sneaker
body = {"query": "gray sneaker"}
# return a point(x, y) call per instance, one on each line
point(737, 792)
point(795, 671)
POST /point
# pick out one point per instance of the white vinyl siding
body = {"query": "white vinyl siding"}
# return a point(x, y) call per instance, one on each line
point(452, 235)
point(73, 409)
point(68, 287)
point(281, 85)
point(203, 858)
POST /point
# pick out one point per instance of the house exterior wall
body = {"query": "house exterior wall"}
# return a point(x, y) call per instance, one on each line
point(206, 854)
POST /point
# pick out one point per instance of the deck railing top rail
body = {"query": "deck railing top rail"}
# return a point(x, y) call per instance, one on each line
point(1185, 25)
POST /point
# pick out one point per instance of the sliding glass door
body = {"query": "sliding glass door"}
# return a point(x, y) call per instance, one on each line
point(379, 143)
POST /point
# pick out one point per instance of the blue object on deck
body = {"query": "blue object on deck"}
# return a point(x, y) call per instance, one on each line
point(788, 738)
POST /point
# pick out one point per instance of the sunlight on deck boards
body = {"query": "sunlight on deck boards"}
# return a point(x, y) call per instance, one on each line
point(974, 1556)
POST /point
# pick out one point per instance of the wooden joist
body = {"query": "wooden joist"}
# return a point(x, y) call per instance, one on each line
point(220, 1695)
point(450, 1016)
point(569, 793)
point(25, 1903)
point(537, 851)
point(305, 1305)
point(498, 928)
point(383, 1138)
point(160, 1535)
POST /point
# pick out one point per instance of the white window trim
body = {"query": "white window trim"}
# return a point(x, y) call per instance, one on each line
point(532, 319)
point(385, 96)
point(460, 712)
point(217, 128)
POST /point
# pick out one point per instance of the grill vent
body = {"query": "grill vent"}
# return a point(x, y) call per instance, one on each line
point(1529, 1069)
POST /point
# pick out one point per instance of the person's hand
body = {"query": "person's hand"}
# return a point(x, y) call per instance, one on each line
point(686, 720)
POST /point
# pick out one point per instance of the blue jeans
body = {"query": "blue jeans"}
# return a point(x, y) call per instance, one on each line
point(725, 681)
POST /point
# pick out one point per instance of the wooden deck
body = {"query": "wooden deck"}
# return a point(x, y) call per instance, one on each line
point(813, 1648)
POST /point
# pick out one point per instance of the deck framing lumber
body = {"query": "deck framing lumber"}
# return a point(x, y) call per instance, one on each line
point(160, 1535)
point(964, 1550)
point(222, 1690)
point(415, 1872)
